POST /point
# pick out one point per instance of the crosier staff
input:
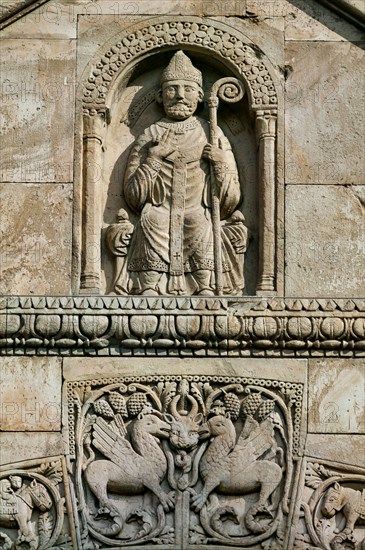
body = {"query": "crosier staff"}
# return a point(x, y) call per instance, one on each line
point(229, 90)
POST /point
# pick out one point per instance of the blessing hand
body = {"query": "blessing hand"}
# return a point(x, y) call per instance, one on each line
point(162, 149)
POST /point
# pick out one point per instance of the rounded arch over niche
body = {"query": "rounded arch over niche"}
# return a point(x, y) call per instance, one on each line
point(106, 74)
point(218, 38)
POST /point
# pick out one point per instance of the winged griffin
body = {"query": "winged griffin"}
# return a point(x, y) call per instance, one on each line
point(131, 468)
point(233, 467)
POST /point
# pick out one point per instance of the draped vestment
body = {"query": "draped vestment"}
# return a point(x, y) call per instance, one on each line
point(174, 233)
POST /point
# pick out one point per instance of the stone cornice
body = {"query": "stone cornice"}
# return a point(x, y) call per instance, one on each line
point(184, 326)
point(347, 10)
point(165, 304)
point(11, 14)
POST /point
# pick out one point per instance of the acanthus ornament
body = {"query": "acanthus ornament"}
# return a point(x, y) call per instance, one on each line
point(184, 461)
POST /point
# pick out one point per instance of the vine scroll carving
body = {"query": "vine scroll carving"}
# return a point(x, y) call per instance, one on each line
point(185, 461)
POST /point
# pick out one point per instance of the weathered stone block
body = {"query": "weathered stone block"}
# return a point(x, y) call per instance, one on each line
point(291, 370)
point(311, 20)
point(60, 19)
point(337, 396)
point(38, 84)
point(30, 394)
point(325, 236)
point(29, 445)
point(36, 229)
point(348, 449)
point(325, 108)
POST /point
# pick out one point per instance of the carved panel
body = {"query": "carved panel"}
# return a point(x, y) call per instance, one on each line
point(184, 462)
point(34, 498)
point(332, 506)
point(156, 247)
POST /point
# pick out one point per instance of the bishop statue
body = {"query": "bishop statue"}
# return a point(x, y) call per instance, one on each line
point(168, 184)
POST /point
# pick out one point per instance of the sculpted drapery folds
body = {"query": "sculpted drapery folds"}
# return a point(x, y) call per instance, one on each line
point(171, 173)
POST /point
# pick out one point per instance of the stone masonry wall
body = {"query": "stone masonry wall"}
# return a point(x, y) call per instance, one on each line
point(243, 393)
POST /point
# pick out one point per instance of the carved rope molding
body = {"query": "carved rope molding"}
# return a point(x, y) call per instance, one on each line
point(182, 326)
point(186, 32)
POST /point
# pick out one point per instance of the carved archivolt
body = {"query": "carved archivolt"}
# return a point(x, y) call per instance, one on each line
point(209, 35)
point(185, 461)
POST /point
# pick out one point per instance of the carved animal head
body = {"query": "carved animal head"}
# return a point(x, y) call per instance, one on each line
point(333, 501)
point(184, 432)
point(153, 425)
point(40, 496)
point(220, 424)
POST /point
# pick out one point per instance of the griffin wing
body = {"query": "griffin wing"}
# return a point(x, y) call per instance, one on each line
point(256, 444)
point(216, 457)
point(112, 445)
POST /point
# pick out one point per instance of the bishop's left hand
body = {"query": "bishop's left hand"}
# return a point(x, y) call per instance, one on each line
point(213, 153)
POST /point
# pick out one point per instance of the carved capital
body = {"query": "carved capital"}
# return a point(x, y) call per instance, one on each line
point(95, 122)
point(266, 124)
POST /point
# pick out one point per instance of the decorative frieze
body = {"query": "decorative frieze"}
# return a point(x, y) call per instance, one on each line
point(182, 326)
point(206, 34)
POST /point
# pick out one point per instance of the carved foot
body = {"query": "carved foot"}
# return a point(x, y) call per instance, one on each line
point(102, 513)
point(344, 541)
point(258, 519)
point(6, 542)
point(149, 292)
point(205, 292)
point(198, 501)
point(167, 501)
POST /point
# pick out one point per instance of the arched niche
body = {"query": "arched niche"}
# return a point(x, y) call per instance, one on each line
point(118, 103)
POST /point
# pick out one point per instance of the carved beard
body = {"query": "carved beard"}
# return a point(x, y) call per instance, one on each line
point(180, 111)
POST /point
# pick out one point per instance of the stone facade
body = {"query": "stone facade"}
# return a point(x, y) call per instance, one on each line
point(182, 312)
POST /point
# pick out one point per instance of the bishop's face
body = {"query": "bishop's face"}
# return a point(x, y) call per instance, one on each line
point(180, 98)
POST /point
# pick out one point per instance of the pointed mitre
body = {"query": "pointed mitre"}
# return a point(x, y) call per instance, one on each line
point(181, 68)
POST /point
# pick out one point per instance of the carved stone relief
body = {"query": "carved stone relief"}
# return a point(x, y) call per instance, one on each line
point(181, 167)
point(184, 462)
point(34, 497)
point(183, 182)
point(185, 326)
point(332, 507)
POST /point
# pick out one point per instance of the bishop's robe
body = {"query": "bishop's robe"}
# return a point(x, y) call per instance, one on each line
point(174, 233)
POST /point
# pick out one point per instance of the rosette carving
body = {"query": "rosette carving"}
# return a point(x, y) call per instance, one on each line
point(216, 37)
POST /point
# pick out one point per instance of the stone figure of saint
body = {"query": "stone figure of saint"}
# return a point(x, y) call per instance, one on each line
point(168, 185)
